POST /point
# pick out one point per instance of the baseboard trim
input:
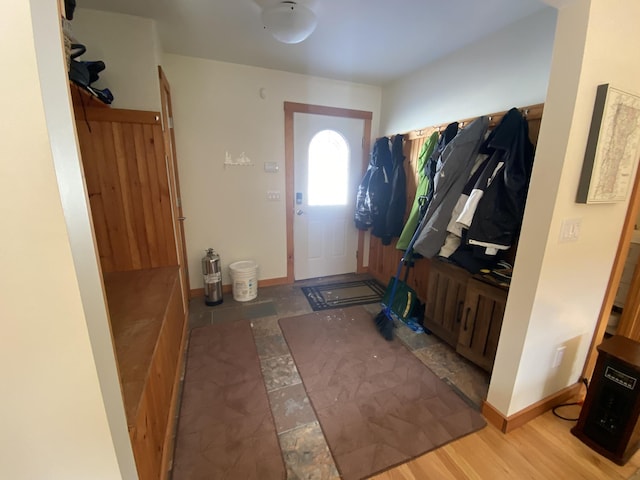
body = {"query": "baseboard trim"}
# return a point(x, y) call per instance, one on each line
point(507, 424)
point(196, 292)
point(493, 416)
point(270, 282)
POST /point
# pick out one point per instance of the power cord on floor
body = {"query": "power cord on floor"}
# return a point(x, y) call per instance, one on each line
point(586, 384)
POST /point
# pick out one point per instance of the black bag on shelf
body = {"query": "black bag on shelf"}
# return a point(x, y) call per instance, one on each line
point(85, 73)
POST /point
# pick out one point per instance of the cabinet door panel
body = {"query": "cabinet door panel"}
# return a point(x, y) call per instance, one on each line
point(445, 299)
point(481, 323)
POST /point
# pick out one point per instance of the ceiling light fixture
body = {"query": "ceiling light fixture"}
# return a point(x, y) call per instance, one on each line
point(289, 22)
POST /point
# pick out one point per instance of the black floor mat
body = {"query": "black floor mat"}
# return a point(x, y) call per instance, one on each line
point(343, 294)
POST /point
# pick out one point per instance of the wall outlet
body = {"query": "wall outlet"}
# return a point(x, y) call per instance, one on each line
point(557, 360)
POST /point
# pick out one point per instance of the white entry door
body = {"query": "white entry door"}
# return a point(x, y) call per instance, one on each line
point(328, 167)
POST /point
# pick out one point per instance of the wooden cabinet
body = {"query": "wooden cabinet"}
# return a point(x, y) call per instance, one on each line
point(481, 323)
point(445, 300)
point(465, 312)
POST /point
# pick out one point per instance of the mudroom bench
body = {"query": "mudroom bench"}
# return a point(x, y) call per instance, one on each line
point(147, 319)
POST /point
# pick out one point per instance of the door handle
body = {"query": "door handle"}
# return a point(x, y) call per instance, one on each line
point(466, 319)
point(299, 212)
point(182, 219)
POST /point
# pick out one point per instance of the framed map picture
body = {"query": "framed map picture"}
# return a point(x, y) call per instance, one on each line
point(613, 148)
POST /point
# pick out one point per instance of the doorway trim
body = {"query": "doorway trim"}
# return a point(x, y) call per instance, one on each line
point(171, 157)
point(289, 109)
point(629, 326)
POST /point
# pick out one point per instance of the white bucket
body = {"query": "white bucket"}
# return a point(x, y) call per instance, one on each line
point(244, 277)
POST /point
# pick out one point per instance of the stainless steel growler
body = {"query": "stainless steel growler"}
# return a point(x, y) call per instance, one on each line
point(212, 274)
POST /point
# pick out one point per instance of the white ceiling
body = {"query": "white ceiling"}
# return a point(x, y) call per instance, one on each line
point(367, 41)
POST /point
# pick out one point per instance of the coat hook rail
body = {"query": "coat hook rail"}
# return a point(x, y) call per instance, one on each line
point(531, 112)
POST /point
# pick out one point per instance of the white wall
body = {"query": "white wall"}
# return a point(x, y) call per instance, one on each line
point(218, 109)
point(54, 419)
point(509, 68)
point(558, 288)
point(129, 47)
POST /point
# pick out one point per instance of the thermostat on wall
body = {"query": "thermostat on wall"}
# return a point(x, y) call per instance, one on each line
point(271, 167)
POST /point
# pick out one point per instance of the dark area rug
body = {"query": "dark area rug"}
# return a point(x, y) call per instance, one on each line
point(343, 294)
point(225, 428)
point(377, 404)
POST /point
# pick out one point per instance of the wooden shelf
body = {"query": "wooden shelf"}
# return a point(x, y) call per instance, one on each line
point(83, 99)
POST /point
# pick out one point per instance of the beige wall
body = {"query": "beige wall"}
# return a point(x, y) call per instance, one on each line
point(509, 68)
point(218, 110)
point(54, 417)
point(130, 48)
point(558, 288)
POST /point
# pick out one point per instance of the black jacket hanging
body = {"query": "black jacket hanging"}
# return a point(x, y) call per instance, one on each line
point(430, 167)
point(398, 194)
point(497, 218)
point(374, 191)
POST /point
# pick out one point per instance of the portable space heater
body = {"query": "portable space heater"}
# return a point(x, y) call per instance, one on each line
point(608, 420)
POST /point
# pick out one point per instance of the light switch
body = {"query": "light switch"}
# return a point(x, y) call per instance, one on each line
point(570, 230)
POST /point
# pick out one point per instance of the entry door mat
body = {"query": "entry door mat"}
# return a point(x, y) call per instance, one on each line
point(225, 427)
point(377, 404)
point(343, 294)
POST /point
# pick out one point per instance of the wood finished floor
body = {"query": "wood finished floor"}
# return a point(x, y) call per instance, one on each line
point(542, 449)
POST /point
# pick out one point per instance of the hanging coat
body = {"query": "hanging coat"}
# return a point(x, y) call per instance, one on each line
point(374, 190)
point(362, 216)
point(454, 228)
point(495, 207)
point(430, 167)
point(423, 182)
point(452, 172)
point(498, 216)
point(398, 194)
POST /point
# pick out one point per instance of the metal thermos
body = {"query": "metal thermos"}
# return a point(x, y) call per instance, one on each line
point(212, 278)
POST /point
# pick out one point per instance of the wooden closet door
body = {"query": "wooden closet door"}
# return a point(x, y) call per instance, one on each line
point(128, 184)
point(174, 178)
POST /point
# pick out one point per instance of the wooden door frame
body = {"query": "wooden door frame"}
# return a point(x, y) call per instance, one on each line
point(289, 109)
point(632, 328)
point(176, 207)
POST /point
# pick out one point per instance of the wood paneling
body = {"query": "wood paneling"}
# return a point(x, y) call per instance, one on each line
point(128, 185)
point(131, 187)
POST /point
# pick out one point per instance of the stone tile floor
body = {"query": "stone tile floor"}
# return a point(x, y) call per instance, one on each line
point(304, 448)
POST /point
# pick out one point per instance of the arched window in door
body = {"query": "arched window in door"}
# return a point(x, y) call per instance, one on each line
point(328, 182)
